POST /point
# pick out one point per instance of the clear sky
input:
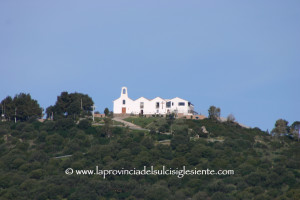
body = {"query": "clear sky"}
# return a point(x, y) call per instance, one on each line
point(241, 56)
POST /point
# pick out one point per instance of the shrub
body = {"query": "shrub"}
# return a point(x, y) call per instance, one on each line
point(84, 124)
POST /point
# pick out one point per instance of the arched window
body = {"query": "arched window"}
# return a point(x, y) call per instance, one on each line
point(124, 102)
point(124, 91)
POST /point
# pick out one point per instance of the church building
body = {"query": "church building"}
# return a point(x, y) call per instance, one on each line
point(158, 105)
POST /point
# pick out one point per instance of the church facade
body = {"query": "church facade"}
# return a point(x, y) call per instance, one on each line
point(156, 106)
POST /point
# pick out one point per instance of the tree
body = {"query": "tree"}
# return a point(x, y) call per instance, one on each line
point(106, 112)
point(214, 112)
point(84, 124)
point(295, 130)
point(107, 126)
point(281, 127)
point(8, 108)
point(26, 107)
point(178, 139)
point(71, 105)
point(230, 118)
point(22, 106)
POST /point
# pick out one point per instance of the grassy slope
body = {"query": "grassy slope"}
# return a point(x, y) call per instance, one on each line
point(141, 121)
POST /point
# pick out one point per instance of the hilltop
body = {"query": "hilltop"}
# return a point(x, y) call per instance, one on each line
point(265, 167)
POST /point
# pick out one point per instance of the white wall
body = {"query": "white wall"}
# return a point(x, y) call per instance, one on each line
point(149, 105)
point(118, 103)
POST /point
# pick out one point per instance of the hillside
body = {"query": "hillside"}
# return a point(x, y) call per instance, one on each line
point(31, 167)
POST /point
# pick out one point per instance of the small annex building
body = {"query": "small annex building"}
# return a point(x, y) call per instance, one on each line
point(156, 106)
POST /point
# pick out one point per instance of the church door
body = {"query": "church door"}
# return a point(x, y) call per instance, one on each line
point(124, 110)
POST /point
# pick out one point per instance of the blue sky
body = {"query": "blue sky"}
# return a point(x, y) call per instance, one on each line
point(242, 56)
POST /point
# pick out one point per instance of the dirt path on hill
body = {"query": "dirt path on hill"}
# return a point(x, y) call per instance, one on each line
point(130, 125)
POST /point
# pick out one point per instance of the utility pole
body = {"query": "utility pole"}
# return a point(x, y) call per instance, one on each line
point(3, 110)
point(81, 103)
point(15, 114)
point(42, 114)
point(93, 107)
point(2, 115)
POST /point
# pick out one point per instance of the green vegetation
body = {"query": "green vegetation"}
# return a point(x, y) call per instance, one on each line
point(141, 121)
point(72, 105)
point(118, 123)
point(100, 120)
point(214, 112)
point(265, 167)
point(106, 111)
point(21, 107)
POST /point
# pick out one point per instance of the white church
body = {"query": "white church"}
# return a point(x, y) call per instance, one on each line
point(156, 106)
